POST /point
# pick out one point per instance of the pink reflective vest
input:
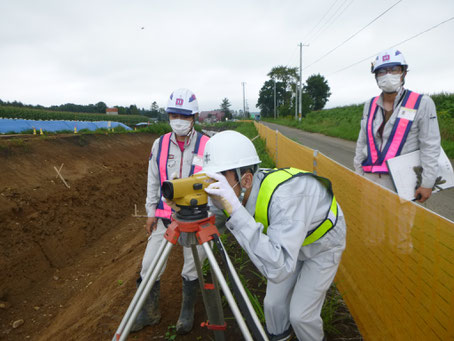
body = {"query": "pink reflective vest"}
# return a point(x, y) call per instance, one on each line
point(163, 210)
point(376, 159)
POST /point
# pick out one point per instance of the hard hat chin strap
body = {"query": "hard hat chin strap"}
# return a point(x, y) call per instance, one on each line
point(238, 176)
point(243, 190)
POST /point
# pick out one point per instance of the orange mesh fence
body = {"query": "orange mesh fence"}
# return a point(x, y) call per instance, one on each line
point(397, 271)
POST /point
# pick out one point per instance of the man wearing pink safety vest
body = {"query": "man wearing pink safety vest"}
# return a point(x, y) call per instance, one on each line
point(397, 122)
point(178, 154)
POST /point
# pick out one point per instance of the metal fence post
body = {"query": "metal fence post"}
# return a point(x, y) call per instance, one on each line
point(314, 166)
point(275, 153)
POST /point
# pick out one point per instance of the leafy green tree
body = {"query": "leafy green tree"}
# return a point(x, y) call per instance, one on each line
point(306, 104)
point(121, 110)
point(154, 106)
point(266, 97)
point(285, 79)
point(319, 91)
point(153, 112)
point(101, 107)
point(132, 110)
point(287, 75)
point(225, 108)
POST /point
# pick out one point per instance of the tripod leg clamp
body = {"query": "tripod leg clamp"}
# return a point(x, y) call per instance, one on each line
point(172, 233)
point(206, 232)
point(214, 326)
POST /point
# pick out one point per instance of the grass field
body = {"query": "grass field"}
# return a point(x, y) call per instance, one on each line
point(344, 122)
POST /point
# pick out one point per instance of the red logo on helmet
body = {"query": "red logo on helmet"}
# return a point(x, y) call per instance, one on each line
point(385, 57)
point(179, 101)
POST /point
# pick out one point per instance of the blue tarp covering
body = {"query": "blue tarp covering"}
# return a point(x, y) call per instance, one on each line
point(8, 125)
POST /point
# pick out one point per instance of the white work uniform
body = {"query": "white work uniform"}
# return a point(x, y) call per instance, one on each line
point(179, 164)
point(424, 135)
point(298, 276)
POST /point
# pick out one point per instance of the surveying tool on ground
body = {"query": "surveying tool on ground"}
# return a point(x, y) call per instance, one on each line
point(193, 225)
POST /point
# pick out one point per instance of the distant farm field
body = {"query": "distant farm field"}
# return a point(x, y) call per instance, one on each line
point(43, 114)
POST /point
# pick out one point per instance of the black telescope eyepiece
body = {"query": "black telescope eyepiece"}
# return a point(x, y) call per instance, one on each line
point(167, 190)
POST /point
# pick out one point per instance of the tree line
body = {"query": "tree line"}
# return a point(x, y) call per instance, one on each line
point(283, 82)
point(98, 108)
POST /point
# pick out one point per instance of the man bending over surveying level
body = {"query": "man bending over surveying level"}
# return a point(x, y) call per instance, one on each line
point(290, 225)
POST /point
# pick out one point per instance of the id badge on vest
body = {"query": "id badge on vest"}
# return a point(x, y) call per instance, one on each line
point(197, 160)
point(406, 114)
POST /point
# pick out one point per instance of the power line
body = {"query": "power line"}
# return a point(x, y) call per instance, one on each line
point(326, 13)
point(399, 43)
point(332, 19)
point(353, 35)
point(323, 17)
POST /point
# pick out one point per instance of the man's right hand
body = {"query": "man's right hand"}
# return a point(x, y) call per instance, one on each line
point(152, 223)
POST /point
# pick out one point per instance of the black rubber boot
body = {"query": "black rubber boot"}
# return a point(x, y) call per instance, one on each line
point(186, 319)
point(149, 315)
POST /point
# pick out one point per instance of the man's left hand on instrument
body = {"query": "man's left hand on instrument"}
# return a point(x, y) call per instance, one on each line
point(223, 193)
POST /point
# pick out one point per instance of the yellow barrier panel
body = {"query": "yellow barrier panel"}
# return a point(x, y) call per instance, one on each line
point(292, 153)
point(397, 271)
point(276, 141)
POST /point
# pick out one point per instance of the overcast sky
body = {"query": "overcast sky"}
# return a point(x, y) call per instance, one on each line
point(137, 51)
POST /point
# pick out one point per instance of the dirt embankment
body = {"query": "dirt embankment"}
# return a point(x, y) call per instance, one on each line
point(69, 256)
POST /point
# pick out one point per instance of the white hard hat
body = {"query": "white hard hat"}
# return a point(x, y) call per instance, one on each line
point(182, 101)
point(388, 58)
point(228, 150)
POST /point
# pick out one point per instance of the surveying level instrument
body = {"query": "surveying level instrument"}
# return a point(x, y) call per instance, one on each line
point(196, 227)
point(189, 196)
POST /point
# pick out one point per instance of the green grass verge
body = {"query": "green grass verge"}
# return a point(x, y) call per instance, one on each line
point(344, 122)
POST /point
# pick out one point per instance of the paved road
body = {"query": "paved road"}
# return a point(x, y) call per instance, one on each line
point(343, 152)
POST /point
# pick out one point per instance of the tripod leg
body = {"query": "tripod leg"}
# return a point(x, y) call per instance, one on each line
point(227, 293)
point(211, 299)
point(143, 290)
point(243, 293)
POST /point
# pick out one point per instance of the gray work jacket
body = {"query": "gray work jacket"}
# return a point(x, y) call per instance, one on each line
point(424, 135)
point(296, 207)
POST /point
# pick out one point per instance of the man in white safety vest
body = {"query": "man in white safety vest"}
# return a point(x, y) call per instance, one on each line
point(289, 223)
point(397, 122)
point(174, 155)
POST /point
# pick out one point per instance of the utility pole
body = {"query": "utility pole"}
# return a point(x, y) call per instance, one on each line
point(301, 81)
point(244, 102)
point(296, 101)
point(274, 99)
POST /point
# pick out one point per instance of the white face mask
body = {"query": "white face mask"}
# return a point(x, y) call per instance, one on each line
point(180, 127)
point(389, 82)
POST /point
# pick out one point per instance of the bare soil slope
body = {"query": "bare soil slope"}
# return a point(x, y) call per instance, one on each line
point(69, 258)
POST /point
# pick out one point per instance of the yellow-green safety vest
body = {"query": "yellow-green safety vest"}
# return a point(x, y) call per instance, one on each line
point(276, 177)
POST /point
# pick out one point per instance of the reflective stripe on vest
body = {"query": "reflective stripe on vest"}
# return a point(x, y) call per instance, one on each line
point(376, 160)
point(276, 177)
point(163, 210)
point(198, 150)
